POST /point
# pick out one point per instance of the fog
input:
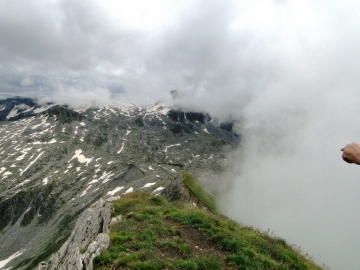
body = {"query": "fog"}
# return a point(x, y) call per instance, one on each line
point(288, 70)
point(288, 177)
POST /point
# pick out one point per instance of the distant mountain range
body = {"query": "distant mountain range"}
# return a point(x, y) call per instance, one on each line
point(56, 162)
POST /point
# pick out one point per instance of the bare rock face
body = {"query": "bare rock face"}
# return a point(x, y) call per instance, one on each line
point(176, 191)
point(86, 241)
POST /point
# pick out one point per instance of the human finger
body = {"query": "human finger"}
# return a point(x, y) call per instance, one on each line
point(347, 160)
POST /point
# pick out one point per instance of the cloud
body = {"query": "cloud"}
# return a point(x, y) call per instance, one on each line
point(26, 82)
point(288, 175)
point(70, 34)
point(23, 106)
point(287, 69)
point(79, 98)
point(61, 41)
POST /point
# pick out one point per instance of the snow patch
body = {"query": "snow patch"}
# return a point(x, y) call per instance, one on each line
point(148, 185)
point(158, 108)
point(84, 192)
point(43, 108)
point(7, 173)
point(24, 151)
point(112, 192)
point(158, 189)
point(122, 147)
point(23, 183)
point(166, 147)
point(28, 110)
point(93, 181)
point(81, 158)
point(12, 113)
point(129, 190)
point(45, 181)
point(98, 169)
point(43, 123)
point(4, 262)
point(31, 163)
point(106, 176)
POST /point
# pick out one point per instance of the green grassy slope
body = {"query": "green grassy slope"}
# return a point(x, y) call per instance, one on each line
point(156, 234)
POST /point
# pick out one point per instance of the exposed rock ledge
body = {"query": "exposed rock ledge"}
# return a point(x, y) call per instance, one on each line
point(89, 236)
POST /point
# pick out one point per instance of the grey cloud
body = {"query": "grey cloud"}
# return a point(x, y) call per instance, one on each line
point(63, 42)
point(71, 34)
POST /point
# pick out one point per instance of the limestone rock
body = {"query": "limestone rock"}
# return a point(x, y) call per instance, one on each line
point(113, 198)
point(176, 191)
point(85, 242)
point(115, 219)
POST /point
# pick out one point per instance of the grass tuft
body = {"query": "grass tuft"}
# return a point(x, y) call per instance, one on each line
point(127, 259)
point(209, 264)
point(186, 265)
point(229, 244)
point(119, 237)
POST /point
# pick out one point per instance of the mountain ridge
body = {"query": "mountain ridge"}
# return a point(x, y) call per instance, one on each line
point(58, 162)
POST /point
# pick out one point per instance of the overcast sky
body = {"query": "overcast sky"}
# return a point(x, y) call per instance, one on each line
point(288, 69)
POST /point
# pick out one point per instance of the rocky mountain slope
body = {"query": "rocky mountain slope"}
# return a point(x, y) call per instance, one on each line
point(56, 162)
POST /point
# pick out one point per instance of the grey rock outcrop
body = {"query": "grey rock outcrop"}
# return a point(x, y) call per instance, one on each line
point(116, 219)
point(132, 173)
point(176, 191)
point(85, 242)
